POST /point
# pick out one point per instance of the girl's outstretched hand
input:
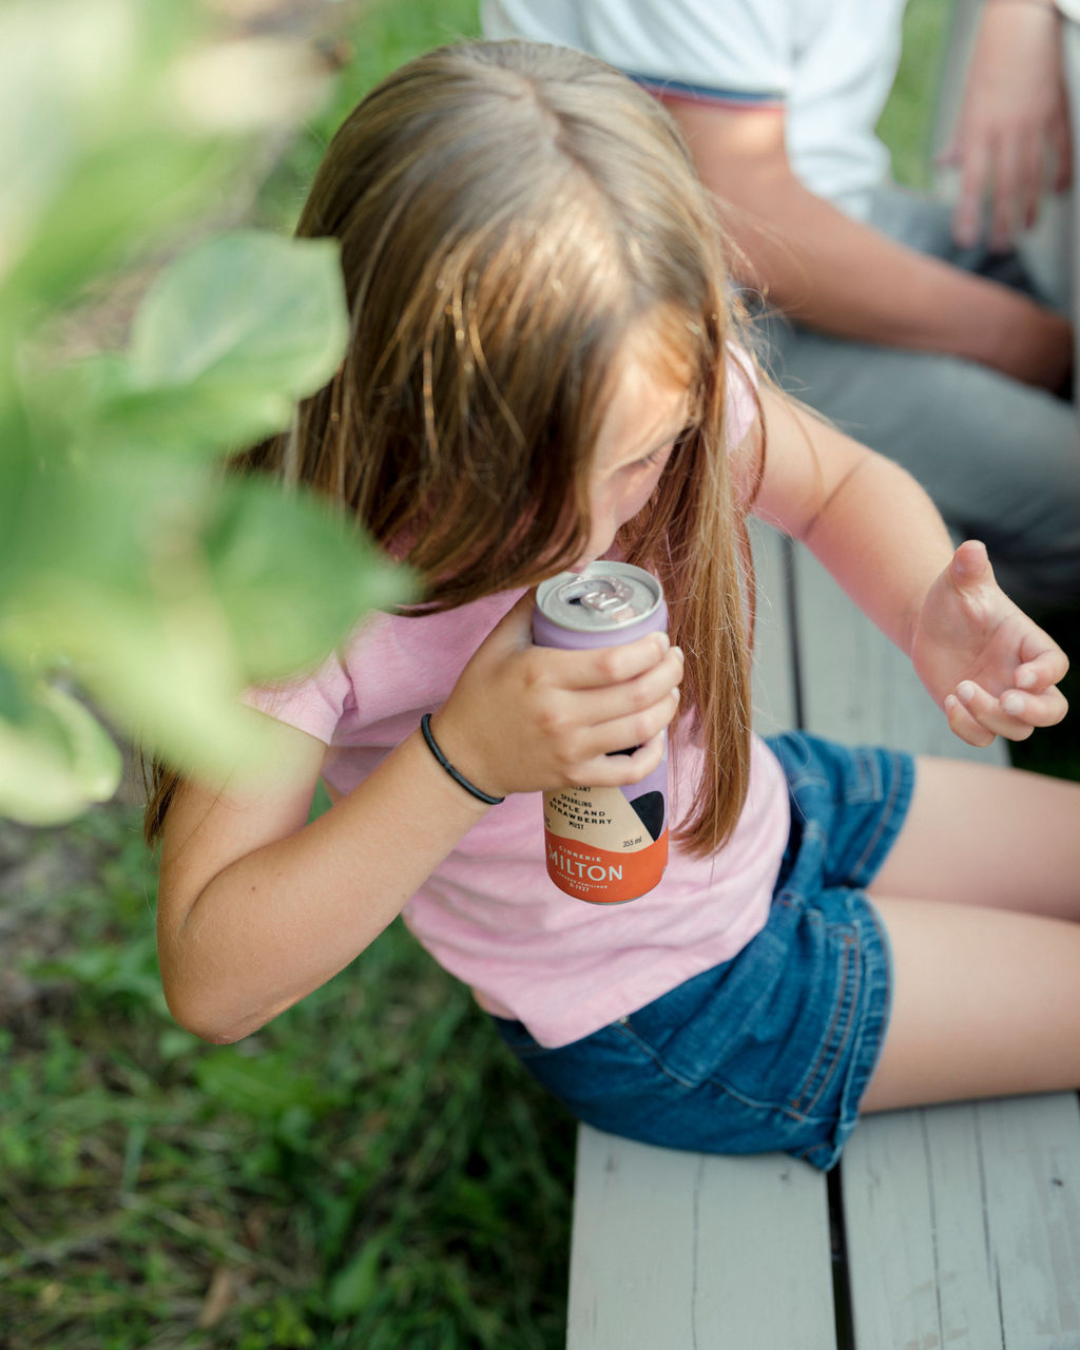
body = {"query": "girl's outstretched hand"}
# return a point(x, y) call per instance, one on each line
point(523, 718)
point(990, 667)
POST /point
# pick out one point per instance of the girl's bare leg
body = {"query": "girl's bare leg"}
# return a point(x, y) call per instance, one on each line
point(979, 835)
point(981, 899)
point(986, 1003)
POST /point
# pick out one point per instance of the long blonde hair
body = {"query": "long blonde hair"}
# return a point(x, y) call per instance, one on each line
point(507, 213)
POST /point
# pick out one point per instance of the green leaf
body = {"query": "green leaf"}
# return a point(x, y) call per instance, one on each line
point(169, 673)
point(225, 342)
point(164, 667)
point(112, 201)
point(94, 160)
point(107, 522)
point(201, 419)
point(53, 767)
point(292, 576)
point(247, 309)
point(16, 705)
point(96, 762)
point(52, 56)
point(117, 559)
point(168, 594)
point(16, 473)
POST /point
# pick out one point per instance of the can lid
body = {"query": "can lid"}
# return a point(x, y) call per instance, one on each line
point(610, 598)
point(606, 595)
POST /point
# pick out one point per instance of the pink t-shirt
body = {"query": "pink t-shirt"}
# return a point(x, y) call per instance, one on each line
point(489, 913)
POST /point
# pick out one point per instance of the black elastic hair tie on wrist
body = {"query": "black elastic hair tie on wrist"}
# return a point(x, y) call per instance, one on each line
point(425, 727)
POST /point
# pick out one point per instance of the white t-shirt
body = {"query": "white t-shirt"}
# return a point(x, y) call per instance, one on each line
point(828, 64)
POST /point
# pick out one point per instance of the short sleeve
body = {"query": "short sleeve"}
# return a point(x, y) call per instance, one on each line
point(315, 703)
point(738, 53)
point(741, 387)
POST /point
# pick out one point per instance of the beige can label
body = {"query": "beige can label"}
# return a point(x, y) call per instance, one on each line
point(601, 817)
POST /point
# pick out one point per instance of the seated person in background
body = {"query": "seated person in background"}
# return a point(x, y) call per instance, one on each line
point(921, 336)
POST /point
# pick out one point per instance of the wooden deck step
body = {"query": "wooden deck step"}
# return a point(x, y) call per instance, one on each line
point(962, 1226)
point(689, 1251)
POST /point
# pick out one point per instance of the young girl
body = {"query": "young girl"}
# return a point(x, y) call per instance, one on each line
point(544, 370)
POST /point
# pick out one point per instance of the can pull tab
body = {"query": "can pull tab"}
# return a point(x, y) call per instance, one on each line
point(609, 596)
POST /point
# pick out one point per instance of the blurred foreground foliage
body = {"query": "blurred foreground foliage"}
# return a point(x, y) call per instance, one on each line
point(131, 569)
point(372, 1170)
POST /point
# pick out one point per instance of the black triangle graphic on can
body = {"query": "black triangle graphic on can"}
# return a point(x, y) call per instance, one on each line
point(650, 809)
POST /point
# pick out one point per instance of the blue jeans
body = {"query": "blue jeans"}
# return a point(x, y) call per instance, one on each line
point(772, 1049)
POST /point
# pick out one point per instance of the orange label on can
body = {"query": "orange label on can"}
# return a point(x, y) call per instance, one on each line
point(602, 847)
point(598, 874)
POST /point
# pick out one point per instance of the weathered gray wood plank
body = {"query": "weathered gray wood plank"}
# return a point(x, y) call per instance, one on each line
point(963, 1226)
point(856, 686)
point(690, 1251)
point(1033, 1202)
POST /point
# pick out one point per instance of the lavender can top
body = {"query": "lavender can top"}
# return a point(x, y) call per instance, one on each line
point(606, 604)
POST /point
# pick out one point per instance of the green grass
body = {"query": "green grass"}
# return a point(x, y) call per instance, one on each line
point(906, 125)
point(372, 1170)
point(388, 33)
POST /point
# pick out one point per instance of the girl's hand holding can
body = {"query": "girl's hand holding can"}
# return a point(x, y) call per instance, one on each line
point(524, 718)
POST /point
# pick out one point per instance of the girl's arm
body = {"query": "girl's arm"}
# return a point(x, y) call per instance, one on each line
point(862, 515)
point(990, 668)
point(257, 908)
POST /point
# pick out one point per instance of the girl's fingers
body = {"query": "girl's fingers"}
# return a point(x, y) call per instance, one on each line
point(622, 770)
point(964, 725)
point(620, 733)
point(991, 715)
point(1041, 673)
point(604, 666)
point(593, 707)
point(1044, 663)
point(1044, 709)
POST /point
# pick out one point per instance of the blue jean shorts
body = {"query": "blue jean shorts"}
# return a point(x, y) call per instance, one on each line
point(774, 1048)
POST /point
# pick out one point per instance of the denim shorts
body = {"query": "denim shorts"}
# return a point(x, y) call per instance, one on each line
point(772, 1049)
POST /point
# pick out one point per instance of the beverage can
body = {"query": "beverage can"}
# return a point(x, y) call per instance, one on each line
point(606, 845)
